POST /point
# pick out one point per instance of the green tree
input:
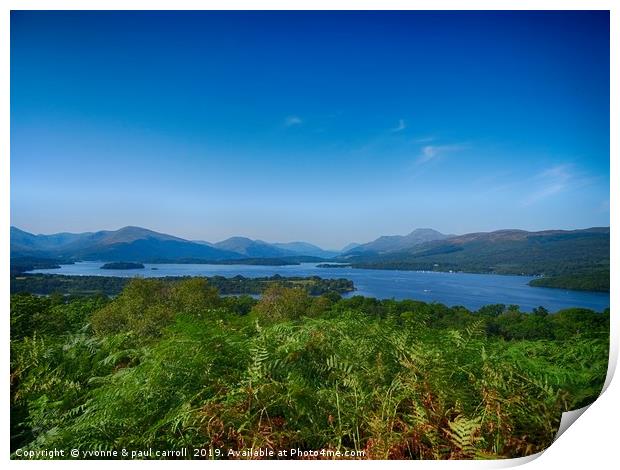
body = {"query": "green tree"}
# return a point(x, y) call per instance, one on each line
point(194, 296)
point(140, 302)
point(282, 303)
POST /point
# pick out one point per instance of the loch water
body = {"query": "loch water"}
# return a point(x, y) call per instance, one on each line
point(469, 290)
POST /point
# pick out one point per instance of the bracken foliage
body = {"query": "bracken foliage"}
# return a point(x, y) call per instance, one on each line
point(174, 365)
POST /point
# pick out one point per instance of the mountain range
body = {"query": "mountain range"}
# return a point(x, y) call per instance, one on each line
point(583, 253)
point(125, 244)
point(140, 244)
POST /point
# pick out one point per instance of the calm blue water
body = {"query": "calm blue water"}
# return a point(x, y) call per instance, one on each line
point(470, 290)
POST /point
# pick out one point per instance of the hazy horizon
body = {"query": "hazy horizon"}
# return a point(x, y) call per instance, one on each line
point(324, 127)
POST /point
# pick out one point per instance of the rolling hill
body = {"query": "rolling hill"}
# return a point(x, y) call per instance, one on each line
point(252, 248)
point(392, 243)
point(572, 255)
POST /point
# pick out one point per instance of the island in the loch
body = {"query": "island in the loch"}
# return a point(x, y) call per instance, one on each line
point(122, 265)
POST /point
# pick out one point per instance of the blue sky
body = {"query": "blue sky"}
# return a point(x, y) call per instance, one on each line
point(328, 127)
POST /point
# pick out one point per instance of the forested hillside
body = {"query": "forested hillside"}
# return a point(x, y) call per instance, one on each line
point(566, 256)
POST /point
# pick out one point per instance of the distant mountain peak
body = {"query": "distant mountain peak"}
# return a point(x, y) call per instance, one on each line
point(237, 239)
point(252, 248)
point(130, 234)
point(425, 231)
point(390, 243)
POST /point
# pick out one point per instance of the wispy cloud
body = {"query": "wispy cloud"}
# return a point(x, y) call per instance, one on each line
point(550, 181)
point(292, 121)
point(433, 152)
point(562, 172)
point(423, 140)
point(530, 189)
point(400, 127)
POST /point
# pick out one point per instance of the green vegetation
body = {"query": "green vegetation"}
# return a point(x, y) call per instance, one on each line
point(172, 364)
point(597, 280)
point(45, 284)
point(122, 265)
point(576, 259)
